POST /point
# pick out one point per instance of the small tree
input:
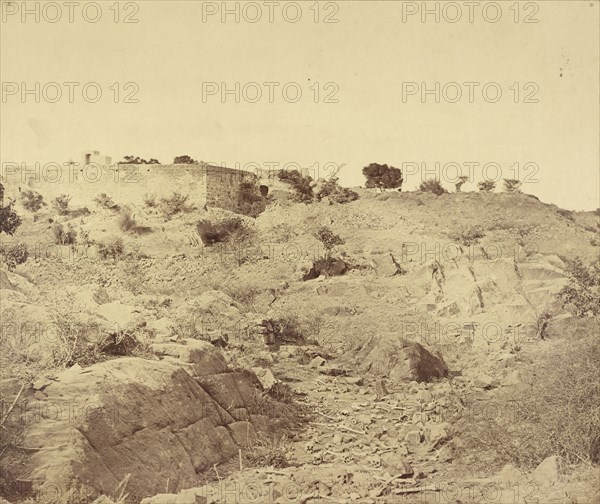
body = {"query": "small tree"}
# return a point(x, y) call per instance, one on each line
point(581, 296)
point(32, 200)
point(9, 220)
point(512, 185)
point(432, 186)
point(329, 240)
point(486, 186)
point(61, 204)
point(184, 160)
point(383, 176)
point(461, 181)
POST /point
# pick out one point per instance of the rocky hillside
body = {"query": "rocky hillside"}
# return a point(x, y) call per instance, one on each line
point(416, 367)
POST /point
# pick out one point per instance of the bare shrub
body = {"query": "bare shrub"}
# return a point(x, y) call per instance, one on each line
point(223, 231)
point(174, 204)
point(150, 201)
point(432, 186)
point(64, 237)
point(283, 330)
point(302, 185)
point(468, 236)
point(332, 190)
point(104, 201)
point(61, 204)
point(556, 415)
point(486, 186)
point(112, 248)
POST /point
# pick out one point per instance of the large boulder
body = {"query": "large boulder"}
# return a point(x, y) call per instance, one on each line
point(403, 360)
point(158, 420)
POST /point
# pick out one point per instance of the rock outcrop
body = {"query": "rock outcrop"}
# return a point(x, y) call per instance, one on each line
point(163, 422)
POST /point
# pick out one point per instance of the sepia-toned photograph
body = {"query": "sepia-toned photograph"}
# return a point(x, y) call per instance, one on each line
point(300, 252)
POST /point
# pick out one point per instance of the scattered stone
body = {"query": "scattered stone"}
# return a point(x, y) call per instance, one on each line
point(380, 389)
point(317, 362)
point(509, 475)
point(265, 377)
point(484, 381)
point(549, 471)
point(413, 437)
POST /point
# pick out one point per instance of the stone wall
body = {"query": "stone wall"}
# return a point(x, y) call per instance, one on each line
point(125, 184)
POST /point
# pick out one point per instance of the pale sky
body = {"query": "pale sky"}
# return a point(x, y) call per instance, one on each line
point(368, 55)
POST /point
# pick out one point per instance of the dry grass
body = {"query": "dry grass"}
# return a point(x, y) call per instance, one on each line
point(559, 414)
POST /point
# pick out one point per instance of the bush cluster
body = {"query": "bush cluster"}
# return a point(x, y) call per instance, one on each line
point(64, 237)
point(13, 254)
point(32, 201)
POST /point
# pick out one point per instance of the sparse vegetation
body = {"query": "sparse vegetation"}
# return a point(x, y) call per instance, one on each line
point(468, 236)
point(106, 202)
point(249, 199)
point(112, 248)
point(556, 415)
point(128, 224)
point(332, 190)
point(150, 201)
point(13, 254)
point(61, 204)
point(567, 214)
point(301, 184)
point(174, 204)
point(282, 331)
point(329, 240)
point(32, 201)
point(223, 231)
point(86, 342)
point(512, 185)
point(486, 186)
point(62, 236)
point(432, 186)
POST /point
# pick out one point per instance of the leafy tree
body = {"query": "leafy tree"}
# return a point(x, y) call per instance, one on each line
point(184, 160)
point(512, 185)
point(383, 176)
point(486, 186)
point(9, 220)
point(432, 186)
point(581, 296)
